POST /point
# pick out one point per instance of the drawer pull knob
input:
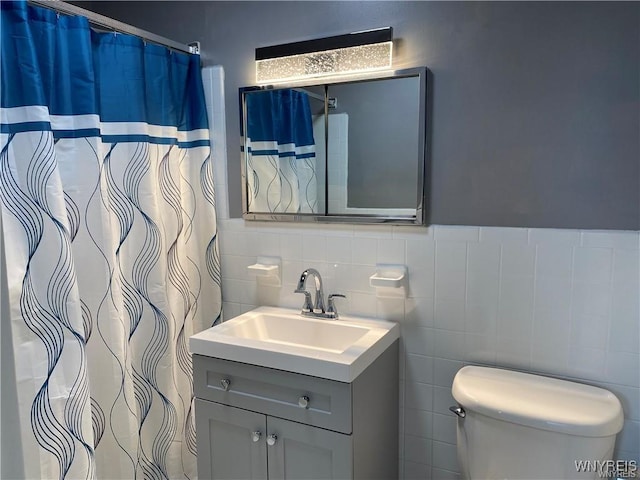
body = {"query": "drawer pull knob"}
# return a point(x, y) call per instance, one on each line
point(225, 383)
point(255, 436)
point(271, 440)
point(303, 401)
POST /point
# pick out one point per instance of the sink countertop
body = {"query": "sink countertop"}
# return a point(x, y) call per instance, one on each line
point(268, 336)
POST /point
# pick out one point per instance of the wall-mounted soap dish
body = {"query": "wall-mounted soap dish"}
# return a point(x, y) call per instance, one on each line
point(389, 280)
point(267, 271)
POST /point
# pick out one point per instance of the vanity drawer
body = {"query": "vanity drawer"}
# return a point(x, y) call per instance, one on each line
point(274, 392)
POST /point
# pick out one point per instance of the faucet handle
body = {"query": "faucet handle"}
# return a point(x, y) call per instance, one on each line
point(307, 306)
point(332, 311)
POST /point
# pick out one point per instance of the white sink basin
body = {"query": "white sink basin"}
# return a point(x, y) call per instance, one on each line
point(309, 333)
point(281, 338)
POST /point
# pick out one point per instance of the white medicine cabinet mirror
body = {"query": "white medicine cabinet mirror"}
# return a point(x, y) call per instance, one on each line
point(346, 151)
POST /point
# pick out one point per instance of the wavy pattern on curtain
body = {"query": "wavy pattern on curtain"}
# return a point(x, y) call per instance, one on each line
point(108, 213)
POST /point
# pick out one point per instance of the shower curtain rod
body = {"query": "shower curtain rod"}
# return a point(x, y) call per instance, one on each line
point(311, 94)
point(111, 24)
point(332, 102)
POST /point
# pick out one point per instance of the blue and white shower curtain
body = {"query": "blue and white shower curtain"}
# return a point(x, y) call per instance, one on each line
point(112, 257)
point(281, 158)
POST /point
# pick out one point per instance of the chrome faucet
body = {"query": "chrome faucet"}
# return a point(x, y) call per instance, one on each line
point(316, 310)
point(332, 311)
point(319, 301)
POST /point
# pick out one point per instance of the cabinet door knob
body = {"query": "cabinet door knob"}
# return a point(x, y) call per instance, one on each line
point(271, 440)
point(255, 436)
point(303, 401)
point(225, 383)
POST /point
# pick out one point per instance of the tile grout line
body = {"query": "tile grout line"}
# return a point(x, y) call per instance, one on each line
point(533, 308)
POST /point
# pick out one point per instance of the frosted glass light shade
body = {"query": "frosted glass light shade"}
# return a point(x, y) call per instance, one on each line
point(340, 61)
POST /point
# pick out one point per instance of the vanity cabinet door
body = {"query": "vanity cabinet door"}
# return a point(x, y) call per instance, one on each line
point(301, 452)
point(231, 442)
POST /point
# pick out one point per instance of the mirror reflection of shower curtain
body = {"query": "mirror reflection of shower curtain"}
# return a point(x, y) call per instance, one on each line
point(281, 158)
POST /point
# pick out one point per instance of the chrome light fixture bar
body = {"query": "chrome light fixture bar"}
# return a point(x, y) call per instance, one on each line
point(353, 53)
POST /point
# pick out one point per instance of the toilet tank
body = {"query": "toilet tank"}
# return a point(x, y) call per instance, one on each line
point(521, 426)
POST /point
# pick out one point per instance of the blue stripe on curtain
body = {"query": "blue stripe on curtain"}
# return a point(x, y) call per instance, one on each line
point(34, 50)
point(76, 61)
point(255, 151)
point(94, 132)
point(283, 116)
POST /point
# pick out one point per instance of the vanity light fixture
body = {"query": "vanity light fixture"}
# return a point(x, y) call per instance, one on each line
point(353, 53)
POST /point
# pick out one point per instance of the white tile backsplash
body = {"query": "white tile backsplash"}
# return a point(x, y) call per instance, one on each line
point(552, 294)
point(480, 348)
point(550, 356)
point(314, 248)
point(339, 249)
point(365, 251)
point(444, 370)
point(418, 450)
point(451, 256)
point(620, 240)
point(420, 253)
point(448, 344)
point(589, 331)
point(450, 311)
point(418, 340)
point(554, 260)
point(456, 233)
point(421, 282)
point(554, 236)
point(625, 266)
point(418, 422)
point(557, 302)
point(504, 235)
point(518, 259)
point(484, 258)
point(623, 368)
point(418, 368)
point(418, 311)
point(418, 395)
point(291, 246)
point(450, 284)
point(414, 470)
point(592, 265)
point(551, 327)
point(444, 427)
point(444, 457)
point(482, 294)
point(591, 299)
point(391, 250)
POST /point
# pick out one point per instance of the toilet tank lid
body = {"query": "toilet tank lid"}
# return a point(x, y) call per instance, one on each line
point(540, 402)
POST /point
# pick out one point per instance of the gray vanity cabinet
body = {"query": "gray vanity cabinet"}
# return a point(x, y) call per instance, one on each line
point(302, 452)
point(235, 441)
point(227, 434)
point(254, 422)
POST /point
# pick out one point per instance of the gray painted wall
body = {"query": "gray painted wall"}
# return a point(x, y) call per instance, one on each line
point(535, 105)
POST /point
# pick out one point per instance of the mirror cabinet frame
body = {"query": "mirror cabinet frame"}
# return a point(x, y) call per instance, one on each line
point(420, 218)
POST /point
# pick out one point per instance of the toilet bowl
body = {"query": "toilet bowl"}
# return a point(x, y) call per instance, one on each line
point(514, 425)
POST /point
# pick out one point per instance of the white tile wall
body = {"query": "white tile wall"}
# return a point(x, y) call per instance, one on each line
point(557, 302)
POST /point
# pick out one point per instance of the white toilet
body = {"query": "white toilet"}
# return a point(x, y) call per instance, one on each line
point(515, 425)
